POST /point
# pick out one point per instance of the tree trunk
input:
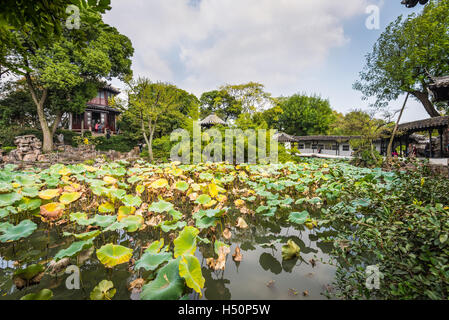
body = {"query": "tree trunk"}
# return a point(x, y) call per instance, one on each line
point(390, 145)
point(150, 151)
point(424, 99)
point(47, 144)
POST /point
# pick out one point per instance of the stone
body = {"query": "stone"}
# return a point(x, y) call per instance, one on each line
point(30, 157)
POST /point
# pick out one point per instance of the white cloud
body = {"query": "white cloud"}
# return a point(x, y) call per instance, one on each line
point(232, 41)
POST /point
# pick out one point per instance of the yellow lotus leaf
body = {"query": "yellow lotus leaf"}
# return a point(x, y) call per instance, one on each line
point(239, 203)
point(195, 187)
point(65, 171)
point(140, 189)
point(242, 223)
point(15, 185)
point(213, 190)
point(52, 211)
point(110, 180)
point(161, 183)
point(49, 194)
point(124, 212)
point(69, 189)
point(177, 172)
point(210, 204)
point(65, 179)
point(222, 198)
point(90, 168)
point(68, 198)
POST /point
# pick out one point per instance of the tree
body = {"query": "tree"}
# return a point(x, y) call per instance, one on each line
point(62, 76)
point(221, 103)
point(304, 115)
point(147, 103)
point(16, 106)
point(404, 56)
point(252, 96)
point(41, 22)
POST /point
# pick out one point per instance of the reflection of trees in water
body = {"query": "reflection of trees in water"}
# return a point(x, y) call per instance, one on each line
point(215, 289)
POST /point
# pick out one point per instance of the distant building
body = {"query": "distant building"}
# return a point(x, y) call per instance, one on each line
point(211, 120)
point(97, 109)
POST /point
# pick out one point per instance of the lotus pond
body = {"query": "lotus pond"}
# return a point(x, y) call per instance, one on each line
point(171, 231)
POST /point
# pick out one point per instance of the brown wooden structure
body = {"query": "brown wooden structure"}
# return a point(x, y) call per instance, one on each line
point(97, 109)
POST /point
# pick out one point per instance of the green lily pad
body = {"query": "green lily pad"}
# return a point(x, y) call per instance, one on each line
point(152, 261)
point(68, 198)
point(298, 217)
point(83, 236)
point(168, 226)
point(74, 249)
point(44, 294)
point(203, 199)
point(182, 186)
point(155, 246)
point(168, 285)
point(103, 291)
point(132, 223)
point(106, 208)
point(160, 206)
point(22, 230)
point(7, 199)
point(132, 201)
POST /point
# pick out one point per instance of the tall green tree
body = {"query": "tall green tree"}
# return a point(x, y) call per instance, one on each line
point(147, 104)
point(407, 52)
point(62, 76)
point(252, 96)
point(305, 115)
point(221, 103)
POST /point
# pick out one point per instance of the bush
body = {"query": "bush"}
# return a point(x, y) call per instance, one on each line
point(119, 143)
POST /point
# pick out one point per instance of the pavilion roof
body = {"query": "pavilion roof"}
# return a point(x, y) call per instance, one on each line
point(212, 119)
point(439, 82)
point(426, 124)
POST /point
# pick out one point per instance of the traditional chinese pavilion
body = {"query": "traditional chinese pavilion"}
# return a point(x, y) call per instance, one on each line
point(97, 109)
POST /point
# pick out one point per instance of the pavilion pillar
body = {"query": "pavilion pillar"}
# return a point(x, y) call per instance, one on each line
point(440, 131)
point(407, 142)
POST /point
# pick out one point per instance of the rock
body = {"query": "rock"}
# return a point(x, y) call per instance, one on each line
point(30, 157)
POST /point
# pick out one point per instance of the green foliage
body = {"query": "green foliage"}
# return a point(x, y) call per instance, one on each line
point(396, 222)
point(303, 115)
point(120, 143)
point(404, 53)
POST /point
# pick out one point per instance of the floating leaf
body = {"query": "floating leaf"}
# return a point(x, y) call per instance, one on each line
point(68, 198)
point(290, 250)
point(22, 230)
point(298, 217)
point(132, 223)
point(83, 236)
point(152, 261)
point(74, 249)
point(182, 186)
point(124, 212)
point(203, 199)
point(106, 208)
point(110, 180)
point(158, 184)
point(49, 194)
point(237, 256)
point(7, 199)
point(132, 201)
point(103, 291)
point(190, 270)
point(155, 246)
point(161, 206)
point(52, 211)
point(111, 255)
point(168, 285)
point(44, 294)
point(185, 243)
point(168, 226)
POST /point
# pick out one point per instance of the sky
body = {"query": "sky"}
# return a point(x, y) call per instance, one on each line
point(290, 46)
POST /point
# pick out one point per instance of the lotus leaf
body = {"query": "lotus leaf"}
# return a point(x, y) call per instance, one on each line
point(175, 214)
point(160, 206)
point(124, 212)
point(110, 180)
point(158, 184)
point(111, 255)
point(7, 199)
point(185, 243)
point(218, 244)
point(168, 226)
point(168, 285)
point(182, 186)
point(206, 222)
point(298, 217)
point(290, 250)
point(49, 194)
point(203, 199)
point(30, 192)
point(151, 261)
point(103, 291)
point(27, 204)
point(103, 221)
point(29, 272)
point(52, 211)
point(132, 201)
point(74, 249)
point(106, 208)
point(68, 198)
point(83, 236)
point(44, 294)
point(190, 270)
point(22, 230)
point(132, 223)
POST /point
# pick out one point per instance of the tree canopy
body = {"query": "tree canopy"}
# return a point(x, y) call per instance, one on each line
point(407, 52)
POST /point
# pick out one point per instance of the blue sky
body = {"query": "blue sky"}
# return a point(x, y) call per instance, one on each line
point(291, 46)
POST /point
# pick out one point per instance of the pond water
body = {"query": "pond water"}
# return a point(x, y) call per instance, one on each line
point(262, 274)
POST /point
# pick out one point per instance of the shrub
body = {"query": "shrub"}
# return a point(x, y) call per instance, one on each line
point(118, 143)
